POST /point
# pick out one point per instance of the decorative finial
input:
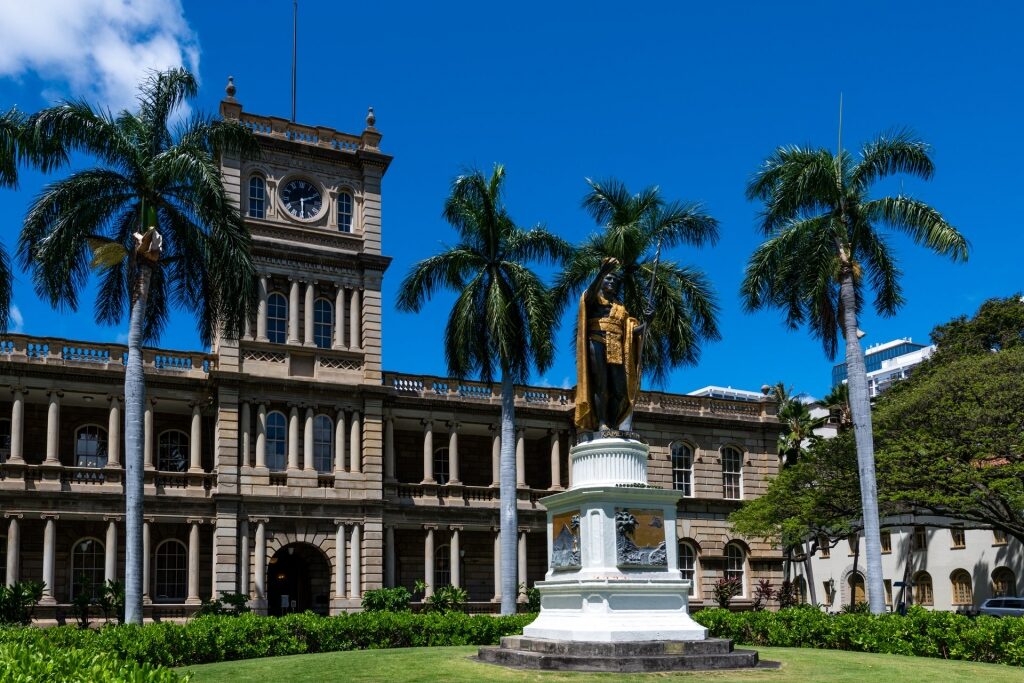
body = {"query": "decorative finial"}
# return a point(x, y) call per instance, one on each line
point(230, 89)
point(370, 118)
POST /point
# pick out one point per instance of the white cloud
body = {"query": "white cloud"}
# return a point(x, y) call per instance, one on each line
point(17, 320)
point(96, 49)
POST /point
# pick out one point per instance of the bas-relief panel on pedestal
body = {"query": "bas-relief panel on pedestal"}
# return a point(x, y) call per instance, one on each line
point(640, 537)
point(565, 544)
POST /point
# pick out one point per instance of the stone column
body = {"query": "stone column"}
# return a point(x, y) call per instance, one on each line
point(293, 313)
point(340, 558)
point(113, 433)
point(293, 439)
point(49, 556)
point(53, 428)
point(261, 312)
point(497, 565)
point(193, 563)
point(522, 564)
point(243, 556)
point(556, 460)
point(495, 456)
point(307, 443)
point(307, 331)
point(147, 435)
point(260, 575)
point(520, 458)
point(13, 549)
point(389, 557)
point(355, 565)
point(355, 447)
point(195, 443)
point(146, 554)
point(453, 454)
point(428, 562)
point(389, 448)
point(261, 436)
point(354, 311)
point(339, 442)
point(339, 317)
point(17, 428)
point(428, 452)
point(455, 557)
point(244, 435)
point(110, 559)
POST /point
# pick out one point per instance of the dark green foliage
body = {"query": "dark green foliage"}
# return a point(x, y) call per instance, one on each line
point(788, 595)
point(229, 604)
point(111, 600)
point(725, 590)
point(223, 638)
point(446, 599)
point(387, 600)
point(764, 593)
point(997, 326)
point(532, 599)
point(18, 601)
point(920, 633)
point(77, 666)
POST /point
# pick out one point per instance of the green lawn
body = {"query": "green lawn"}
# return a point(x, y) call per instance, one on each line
point(452, 664)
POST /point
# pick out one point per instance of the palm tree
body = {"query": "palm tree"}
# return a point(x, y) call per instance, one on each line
point(503, 319)
point(19, 144)
point(823, 246)
point(838, 403)
point(797, 424)
point(162, 232)
point(636, 228)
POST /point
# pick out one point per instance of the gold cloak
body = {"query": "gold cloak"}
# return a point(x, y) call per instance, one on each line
point(585, 418)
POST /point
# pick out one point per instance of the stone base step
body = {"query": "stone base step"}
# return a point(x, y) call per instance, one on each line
point(708, 646)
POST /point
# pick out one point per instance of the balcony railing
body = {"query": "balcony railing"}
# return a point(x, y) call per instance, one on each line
point(311, 135)
point(469, 495)
point(70, 353)
point(66, 478)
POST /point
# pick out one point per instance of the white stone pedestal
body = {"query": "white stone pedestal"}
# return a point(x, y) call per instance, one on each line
point(613, 566)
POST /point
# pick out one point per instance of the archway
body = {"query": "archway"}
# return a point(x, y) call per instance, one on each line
point(298, 579)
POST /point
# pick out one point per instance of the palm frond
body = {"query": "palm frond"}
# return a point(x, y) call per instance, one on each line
point(899, 151)
point(537, 244)
point(75, 126)
point(921, 223)
point(678, 223)
point(795, 182)
point(448, 270)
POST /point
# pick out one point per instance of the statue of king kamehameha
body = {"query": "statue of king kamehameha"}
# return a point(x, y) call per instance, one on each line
point(608, 349)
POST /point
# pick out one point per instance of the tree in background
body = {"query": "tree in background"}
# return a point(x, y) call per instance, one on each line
point(797, 424)
point(156, 222)
point(823, 246)
point(636, 227)
point(503, 321)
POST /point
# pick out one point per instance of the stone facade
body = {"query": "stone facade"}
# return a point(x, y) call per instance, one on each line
point(287, 465)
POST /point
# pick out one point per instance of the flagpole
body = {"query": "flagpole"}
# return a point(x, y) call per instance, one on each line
point(295, 42)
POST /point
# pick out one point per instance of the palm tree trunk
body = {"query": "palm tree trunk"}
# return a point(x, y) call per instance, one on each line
point(134, 405)
point(860, 407)
point(509, 512)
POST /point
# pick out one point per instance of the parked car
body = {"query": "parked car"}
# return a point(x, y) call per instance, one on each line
point(1003, 607)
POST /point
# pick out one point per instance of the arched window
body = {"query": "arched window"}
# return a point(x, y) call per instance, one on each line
point(732, 473)
point(688, 565)
point(5, 439)
point(277, 318)
point(923, 594)
point(441, 471)
point(170, 571)
point(960, 582)
point(1004, 583)
point(257, 197)
point(682, 468)
point(735, 565)
point(277, 440)
point(344, 212)
point(856, 585)
point(323, 443)
point(172, 451)
point(323, 323)
point(442, 566)
point(87, 558)
point(90, 446)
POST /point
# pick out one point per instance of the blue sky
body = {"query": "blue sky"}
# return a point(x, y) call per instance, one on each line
point(687, 96)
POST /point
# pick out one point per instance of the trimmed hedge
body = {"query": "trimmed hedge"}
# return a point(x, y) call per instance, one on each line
point(921, 633)
point(77, 666)
point(219, 638)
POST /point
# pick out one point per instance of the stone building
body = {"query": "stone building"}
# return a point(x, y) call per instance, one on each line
point(288, 466)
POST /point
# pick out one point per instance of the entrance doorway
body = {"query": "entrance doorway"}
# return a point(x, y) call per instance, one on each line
point(298, 580)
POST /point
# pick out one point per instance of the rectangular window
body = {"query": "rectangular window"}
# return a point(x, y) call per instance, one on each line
point(257, 197)
point(885, 539)
point(888, 591)
point(920, 538)
point(958, 537)
point(827, 592)
point(853, 540)
point(998, 537)
point(732, 473)
point(825, 547)
point(682, 469)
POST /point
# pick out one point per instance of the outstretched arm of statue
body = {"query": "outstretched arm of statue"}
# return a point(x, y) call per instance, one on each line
point(607, 265)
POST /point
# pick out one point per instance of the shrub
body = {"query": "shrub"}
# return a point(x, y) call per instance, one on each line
point(18, 601)
point(229, 604)
point(725, 590)
point(77, 666)
point(446, 599)
point(763, 594)
point(788, 595)
point(387, 600)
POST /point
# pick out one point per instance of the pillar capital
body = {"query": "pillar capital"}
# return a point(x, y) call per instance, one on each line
point(49, 515)
point(18, 389)
point(14, 515)
point(453, 425)
point(55, 393)
point(430, 527)
point(456, 527)
point(258, 520)
point(114, 398)
point(428, 423)
point(194, 520)
point(112, 518)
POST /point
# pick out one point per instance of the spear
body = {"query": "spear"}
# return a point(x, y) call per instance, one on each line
point(648, 310)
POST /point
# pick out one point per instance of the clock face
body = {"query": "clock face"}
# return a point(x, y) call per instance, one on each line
point(302, 199)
